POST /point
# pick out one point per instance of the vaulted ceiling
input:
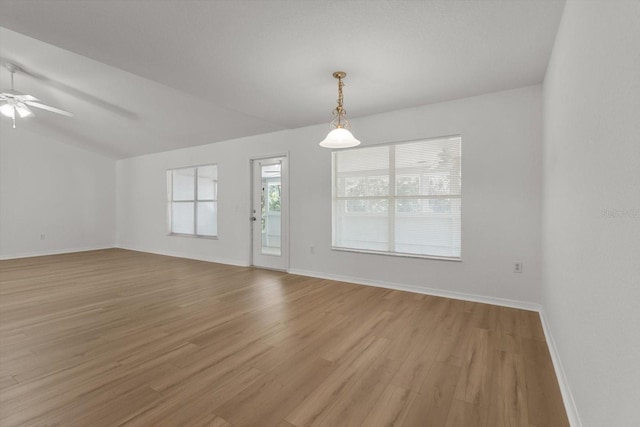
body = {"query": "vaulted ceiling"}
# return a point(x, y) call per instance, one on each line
point(147, 76)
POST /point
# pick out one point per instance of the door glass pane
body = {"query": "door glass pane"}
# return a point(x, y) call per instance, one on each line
point(270, 209)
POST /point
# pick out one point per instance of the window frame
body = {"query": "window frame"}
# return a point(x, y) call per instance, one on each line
point(195, 201)
point(391, 199)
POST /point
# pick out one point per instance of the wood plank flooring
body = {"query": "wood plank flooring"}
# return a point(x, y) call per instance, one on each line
point(117, 337)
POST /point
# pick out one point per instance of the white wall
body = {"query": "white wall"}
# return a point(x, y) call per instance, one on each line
point(501, 166)
point(591, 212)
point(49, 187)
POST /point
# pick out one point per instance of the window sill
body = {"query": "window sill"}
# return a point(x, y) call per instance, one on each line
point(193, 236)
point(397, 254)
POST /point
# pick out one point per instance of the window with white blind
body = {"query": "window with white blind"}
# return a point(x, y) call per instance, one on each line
point(402, 198)
point(193, 201)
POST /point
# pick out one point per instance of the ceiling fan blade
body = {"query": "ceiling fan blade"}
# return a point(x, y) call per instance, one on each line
point(10, 93)
point(48, 108)
point(24, 98)
point(23, 110)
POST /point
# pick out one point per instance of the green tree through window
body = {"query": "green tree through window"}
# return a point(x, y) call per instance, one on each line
point(274, 197)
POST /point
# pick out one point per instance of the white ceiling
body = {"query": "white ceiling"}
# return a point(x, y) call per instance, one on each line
point(147, 76)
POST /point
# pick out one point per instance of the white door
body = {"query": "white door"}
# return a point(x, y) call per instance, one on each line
point(270, 213)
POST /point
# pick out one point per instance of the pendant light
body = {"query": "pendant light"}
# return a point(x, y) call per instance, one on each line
point(340, 136)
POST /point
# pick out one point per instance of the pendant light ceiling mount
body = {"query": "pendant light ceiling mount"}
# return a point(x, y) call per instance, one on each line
point(339, 75)
point(340, 136)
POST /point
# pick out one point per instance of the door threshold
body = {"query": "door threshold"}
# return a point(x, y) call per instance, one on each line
point(269, 268)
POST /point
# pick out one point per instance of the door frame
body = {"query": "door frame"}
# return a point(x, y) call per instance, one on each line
point(285, 207)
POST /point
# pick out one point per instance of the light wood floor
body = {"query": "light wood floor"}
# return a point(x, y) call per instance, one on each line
point(117, 337)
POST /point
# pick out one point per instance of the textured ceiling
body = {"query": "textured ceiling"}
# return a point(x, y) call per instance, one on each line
point(237, 68)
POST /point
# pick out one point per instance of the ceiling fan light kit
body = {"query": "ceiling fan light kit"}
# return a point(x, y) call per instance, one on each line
point(12, 101)
point(340, 136)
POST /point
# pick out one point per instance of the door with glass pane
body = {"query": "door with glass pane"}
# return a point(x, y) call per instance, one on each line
point(269, 213)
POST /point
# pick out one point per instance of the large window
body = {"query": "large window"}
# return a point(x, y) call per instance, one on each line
point(193, 201)
point(402, 198)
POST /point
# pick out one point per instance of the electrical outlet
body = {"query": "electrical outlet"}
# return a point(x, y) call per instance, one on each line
point(312, 249)
point(517, 267)
point(42, 236)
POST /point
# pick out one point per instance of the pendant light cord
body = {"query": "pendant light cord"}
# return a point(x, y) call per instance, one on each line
point(339, 111)
point(339, 108)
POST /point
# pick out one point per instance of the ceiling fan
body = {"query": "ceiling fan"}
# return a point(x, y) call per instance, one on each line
point(13, 102)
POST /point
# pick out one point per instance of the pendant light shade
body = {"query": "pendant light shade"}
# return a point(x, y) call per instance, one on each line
point(340, 136)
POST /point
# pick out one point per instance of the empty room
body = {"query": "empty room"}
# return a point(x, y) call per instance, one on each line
point(235, 213)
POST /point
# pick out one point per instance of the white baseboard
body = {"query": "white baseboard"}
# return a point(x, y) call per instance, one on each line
point(524, 305)
point(565, 390)
point(229, 261)
point(54, 252)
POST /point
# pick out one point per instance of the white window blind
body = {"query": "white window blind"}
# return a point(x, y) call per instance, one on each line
point(402, 198)
point(193, 200)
